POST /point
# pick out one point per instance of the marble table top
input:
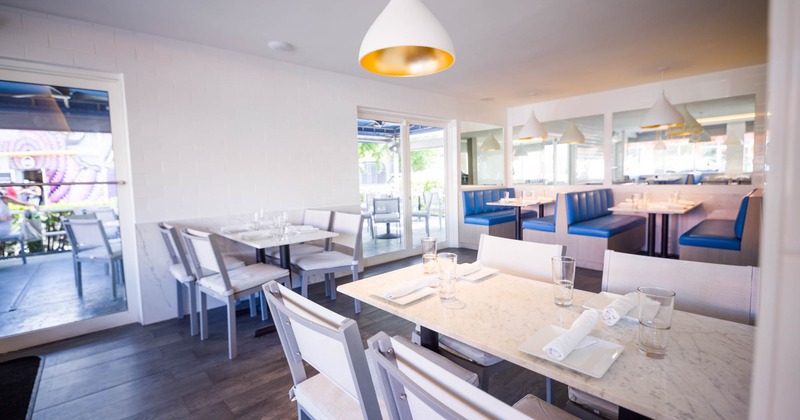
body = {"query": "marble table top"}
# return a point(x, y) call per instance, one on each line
point(263, 239)
point(706, 374)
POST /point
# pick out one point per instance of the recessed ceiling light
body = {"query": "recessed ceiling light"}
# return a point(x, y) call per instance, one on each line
point(487, 99)
point(280, 46)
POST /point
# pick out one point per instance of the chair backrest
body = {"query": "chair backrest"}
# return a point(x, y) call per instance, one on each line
point(738, 228)
point(415, 387)
point(326, 340)
point(518, 258)
point(320, 219)
point(105, 214)
point(586, 205)
point(86, 234)
point(721, 291)
point(349, 227)
point(175, 248)
point(475, 200)
point(205, 255)
point(388, 205)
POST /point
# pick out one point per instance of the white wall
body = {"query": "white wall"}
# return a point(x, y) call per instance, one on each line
point(776, 373)
point(214, 133)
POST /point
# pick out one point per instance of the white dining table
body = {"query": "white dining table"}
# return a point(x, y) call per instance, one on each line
point(519, 204)
point(706, 374)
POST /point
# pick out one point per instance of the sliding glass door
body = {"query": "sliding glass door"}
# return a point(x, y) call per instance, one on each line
point(402, 184)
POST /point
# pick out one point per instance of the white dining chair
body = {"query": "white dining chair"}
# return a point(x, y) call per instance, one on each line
point(215, 280)
point(413, 386)
point(332, 345)
point(386, 210)
point(320, 219)
point(510, 256)
point(90, 244)
point(728, 292)
point(181, 269)
point(343, 256)
point(425, 212)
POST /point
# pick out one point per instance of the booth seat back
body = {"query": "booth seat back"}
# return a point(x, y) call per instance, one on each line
point(738, 228)
point(475, 200)
point(587, 205)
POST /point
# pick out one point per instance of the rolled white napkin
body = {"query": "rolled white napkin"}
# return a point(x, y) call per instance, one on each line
point(467, 269)
point(619, 307)
point(575, 337)
point(407, 287)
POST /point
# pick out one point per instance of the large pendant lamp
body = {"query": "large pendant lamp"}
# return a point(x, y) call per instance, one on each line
point(490, 144)
point(406, 40)
point(662, 114)
point(532, 130)
point(572, 135)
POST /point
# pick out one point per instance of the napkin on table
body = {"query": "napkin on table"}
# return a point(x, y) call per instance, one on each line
point(575, 337)
point(407, 287)
point(467, 269)
point(619, 307)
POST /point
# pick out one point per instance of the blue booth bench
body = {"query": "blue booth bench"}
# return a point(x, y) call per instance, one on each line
point(723, 241)
point(479, 217)
point(584, 225)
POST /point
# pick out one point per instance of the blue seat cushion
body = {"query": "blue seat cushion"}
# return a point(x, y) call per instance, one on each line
point(606, 226)
point(491, 218)
point(711, 233)
point(544, 224)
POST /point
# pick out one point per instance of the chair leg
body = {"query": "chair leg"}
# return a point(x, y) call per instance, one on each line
point(356, 301)
point(113, 265)
point(78, 280)
point(231, 327)
point(327, 286)
point(192, 308)
point(264, 308)
point(203, 316)
point(22, 251)
point(331, 278)
point(181, 306)
point(303, 285)
point(253, 310)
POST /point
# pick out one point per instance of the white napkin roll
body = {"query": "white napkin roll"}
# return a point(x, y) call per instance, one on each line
point(407, 287)
point(619, 307)
point(574, 337)
point(467, 269)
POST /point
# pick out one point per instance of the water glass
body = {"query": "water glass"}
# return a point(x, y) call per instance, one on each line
point(256, 224)
point(506, 195)
point(429, 255)
point(637, 200)
point(447, 263)
point(675, 196)
point(563, 280)
point(655, 318)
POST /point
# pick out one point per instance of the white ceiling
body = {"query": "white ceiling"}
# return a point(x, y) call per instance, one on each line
point(505, 49)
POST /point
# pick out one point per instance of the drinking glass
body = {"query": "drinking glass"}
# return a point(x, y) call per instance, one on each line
point(675, 196)
point(447, 263)
point(637, 200)
point(563, 280)
point(655, 320)
point(256, 225)
point(506, 195)
point(429, 255)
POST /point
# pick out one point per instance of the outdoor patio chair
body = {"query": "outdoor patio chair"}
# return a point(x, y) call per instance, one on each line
point(16, 237)
point(425, 212)
point(90, 244)
point(386, 210)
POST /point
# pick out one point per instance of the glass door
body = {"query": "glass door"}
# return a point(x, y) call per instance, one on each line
point(59, 162)
point(402, 185)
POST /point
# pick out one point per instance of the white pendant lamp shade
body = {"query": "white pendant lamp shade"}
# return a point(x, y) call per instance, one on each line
point(406, 40)
point(662, 114)
point(532, 130)
point(572, 135)
point(490, 144)
point(660, 145)
point(520, 152)
point(690, 125)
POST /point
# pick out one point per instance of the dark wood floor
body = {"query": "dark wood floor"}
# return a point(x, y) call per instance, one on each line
point(160, 371)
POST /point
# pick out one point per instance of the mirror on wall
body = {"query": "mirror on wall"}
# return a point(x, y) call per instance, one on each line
point(481, 156)
point(568, 156)
point(715, 146)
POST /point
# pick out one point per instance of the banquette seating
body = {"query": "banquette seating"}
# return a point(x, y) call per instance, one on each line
point(584, 225)
point(479, 217)
point(726, 241)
